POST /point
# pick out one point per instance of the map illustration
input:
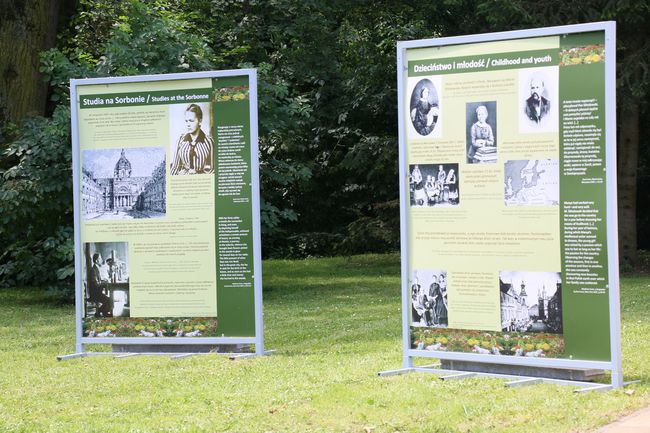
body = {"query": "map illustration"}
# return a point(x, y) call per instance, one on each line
point(532, 182)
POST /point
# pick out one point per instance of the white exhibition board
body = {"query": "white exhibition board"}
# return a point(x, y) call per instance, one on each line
point(508, 198)
point(167, 209)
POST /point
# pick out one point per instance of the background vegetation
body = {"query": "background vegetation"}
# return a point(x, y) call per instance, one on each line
point(328, 124)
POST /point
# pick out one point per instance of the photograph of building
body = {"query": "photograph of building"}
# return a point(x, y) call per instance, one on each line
point(531, 301)
point(124, 183)
point(153, 196)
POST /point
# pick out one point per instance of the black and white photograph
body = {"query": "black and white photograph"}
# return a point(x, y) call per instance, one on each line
point(531, 182)
point(429, 304)
point(125, 183)
point(531, 301)
point(191, 139)
point(434, 185)
point(481, 132)
point(106, 279)
point(424, 107)
point(538, 100)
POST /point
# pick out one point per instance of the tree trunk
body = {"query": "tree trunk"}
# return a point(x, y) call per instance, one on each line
point(27, 27)
point(628, 156)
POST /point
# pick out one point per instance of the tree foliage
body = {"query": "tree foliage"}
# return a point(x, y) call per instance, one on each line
point(327, 107)
point(36, 215)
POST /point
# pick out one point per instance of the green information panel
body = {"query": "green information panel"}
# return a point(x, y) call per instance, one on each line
point(508, 198)
point(167, 209)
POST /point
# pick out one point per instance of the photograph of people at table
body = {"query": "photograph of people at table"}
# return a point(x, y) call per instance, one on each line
point(106, 279)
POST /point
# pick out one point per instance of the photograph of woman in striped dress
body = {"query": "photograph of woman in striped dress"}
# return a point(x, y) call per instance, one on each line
point(194, 148)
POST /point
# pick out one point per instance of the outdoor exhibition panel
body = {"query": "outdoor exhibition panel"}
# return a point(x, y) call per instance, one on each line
point(166, 196)
point(508, 198)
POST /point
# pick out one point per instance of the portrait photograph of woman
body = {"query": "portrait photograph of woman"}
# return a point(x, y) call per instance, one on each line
point(191, 142)
point(424, 108)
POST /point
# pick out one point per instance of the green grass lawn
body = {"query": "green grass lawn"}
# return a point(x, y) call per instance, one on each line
point(335, 323)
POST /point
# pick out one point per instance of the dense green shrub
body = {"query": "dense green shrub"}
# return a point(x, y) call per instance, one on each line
point(36, 202)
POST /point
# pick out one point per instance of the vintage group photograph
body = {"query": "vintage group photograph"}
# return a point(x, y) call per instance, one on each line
point(429, 304)
point(432, 185)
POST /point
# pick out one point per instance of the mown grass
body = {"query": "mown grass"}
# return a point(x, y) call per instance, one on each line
point(335, 323)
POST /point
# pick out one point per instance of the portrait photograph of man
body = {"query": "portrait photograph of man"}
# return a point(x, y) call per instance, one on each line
point(538, 96)
point(537, 105)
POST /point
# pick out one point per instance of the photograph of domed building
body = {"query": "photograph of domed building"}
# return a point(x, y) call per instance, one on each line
point(124, 183)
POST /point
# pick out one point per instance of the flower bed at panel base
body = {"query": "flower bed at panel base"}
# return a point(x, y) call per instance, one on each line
point(482, 342)
point(146, 327)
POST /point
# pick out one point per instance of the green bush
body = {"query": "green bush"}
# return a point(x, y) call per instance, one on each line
point(36, 203)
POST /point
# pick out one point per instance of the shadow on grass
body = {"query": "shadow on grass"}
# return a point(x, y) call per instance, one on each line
point(33, 296)
point(370, 265)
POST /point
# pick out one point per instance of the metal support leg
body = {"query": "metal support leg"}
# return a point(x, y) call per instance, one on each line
point(71, 356)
